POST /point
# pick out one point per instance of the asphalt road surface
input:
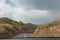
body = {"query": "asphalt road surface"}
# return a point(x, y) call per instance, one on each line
point(24, 35)
point(30, 37)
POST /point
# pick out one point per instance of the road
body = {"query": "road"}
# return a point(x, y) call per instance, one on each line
point(24, 35)
point(29, 35)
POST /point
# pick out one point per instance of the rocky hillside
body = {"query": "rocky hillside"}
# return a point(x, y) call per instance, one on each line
point(29, 27)
point(10, 28)
point(51, 29)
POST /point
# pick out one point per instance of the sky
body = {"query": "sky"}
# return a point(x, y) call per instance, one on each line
point(30, 11)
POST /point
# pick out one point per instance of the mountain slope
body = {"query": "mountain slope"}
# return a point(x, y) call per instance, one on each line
point(51, 29)
point(9, 28)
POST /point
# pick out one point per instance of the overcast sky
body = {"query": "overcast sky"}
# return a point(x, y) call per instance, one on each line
point(33, 11)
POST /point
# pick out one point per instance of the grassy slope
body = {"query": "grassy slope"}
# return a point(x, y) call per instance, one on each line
point(9, 27)
point(51, 29)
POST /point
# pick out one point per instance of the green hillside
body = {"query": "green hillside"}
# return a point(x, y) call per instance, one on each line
point(10, 28)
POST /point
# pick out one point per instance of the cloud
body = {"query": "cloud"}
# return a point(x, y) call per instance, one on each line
point(40, 4)
point(25, 13)
point(28, 15)
point(4, 8)
point(19, 13)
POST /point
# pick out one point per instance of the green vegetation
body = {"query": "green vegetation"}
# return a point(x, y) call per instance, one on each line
point(10, 28)
point(30, 26)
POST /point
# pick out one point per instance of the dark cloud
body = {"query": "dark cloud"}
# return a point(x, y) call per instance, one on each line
point(43, 4)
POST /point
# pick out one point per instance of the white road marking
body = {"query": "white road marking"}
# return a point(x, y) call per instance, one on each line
point(25, 35)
